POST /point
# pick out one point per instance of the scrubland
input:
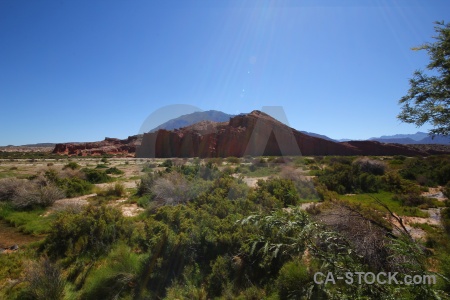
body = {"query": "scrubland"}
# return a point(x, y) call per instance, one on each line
point(222, 228)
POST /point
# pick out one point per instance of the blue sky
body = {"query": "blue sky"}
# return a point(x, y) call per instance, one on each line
point(84, 70)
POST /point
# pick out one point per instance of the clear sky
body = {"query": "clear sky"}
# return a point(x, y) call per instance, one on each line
point(84, 70)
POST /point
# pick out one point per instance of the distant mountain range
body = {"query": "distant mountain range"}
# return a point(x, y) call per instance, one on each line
point(220, 117)
point(190, 119)
point(416, 138)
point(321, 136)
point(38, 145)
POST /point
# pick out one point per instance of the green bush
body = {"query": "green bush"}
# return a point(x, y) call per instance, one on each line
point(101, 166)
point(167, 163)
point(219, 276)
point(371, 166)
point(114, 171)
point(144, 201)
point(145, 185)
point(446, 190)
point(90, 232)
point(343, 177)
point(116, 190)
point(445, 218)
point(282, 189)
point(434, 170)
point(71, 165)
point(74, 187)
point(233, 160)
point(411, 199)
point(293, 280)
point(96, 176)
point(116, 277)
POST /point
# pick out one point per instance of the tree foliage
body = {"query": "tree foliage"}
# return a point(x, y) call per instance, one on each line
point(428, 98)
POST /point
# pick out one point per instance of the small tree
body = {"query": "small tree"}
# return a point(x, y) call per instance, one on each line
point(428, 98)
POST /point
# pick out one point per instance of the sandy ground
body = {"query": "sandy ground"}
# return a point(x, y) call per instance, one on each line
point(10, 236)
point(251, 181)
point(435, 193)
point(126, 184)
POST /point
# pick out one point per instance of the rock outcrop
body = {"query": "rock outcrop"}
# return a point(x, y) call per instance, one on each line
point(254, 134)
point(126, 147)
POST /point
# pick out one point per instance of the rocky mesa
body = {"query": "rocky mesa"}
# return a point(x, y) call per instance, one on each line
point(252, 134)
point(255, 134)
point(126, 147)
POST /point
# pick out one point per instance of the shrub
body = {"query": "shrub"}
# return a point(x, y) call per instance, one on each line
point(144, 201)
point(218, 278)
point(71, 165)
point(305, 188)
point(49, 194)
point(171, 189)
point(233, 160)
point(96, 176)
point(370, 166)
point(167, 164)
point(292, 281)
point(282, 189)
point(116, 277)
point(114, 171)
point(145, 186)
point(45, 280)
point(101, 166)
point(117, 190)
point(25, 194)
point(445, 218)
point(446, 190)
point(74, 187)
point(9, 186)
point(411, 199)
point(90, 232)
point(215, 161)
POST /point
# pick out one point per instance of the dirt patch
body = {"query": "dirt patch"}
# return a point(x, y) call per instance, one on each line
point(126, 184)
point(10, 236)
point(307, 205)
point(251, 181)
point(128, 210)
point(435, 193)
point(131, 210)
point(434, 219)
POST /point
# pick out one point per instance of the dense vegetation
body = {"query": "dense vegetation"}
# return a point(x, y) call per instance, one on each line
point(206, 234)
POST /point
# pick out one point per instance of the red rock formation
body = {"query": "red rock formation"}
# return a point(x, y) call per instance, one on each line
point(125, 147)
point(254, 134)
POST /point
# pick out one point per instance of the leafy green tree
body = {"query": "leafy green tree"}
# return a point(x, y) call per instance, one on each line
point(428, 98)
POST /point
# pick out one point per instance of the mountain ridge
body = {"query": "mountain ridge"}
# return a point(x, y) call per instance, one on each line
point(230, 138)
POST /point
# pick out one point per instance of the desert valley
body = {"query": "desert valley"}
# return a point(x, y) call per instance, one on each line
point(244, 209)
